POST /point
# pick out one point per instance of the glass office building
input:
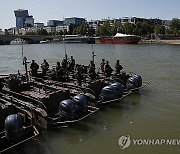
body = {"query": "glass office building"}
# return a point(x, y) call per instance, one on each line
point(74, 21)
point(21, 16)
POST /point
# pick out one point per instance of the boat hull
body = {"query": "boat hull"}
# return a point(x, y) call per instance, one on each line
point(123, 40)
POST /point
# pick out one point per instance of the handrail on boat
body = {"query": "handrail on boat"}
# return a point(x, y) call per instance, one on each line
point(36, 133)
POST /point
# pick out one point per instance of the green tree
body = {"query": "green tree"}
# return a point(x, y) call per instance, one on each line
point(42, 32)
point(83, 29)
point(129, 28)
point(175, 25)
point(160, 29)
point(52, 33)
point(30, 33)
point(143, 28)
point(117, 27)
point(60, 33)
point(169, 31)
point(104, 30)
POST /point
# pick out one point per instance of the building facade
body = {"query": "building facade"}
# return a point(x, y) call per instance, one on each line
point(2, 32)
point(29, 21)
point(21, 16)
point(74, 21)
point(63, 28)
point(54, 23)
point(50, 29)
point(23, 19)
point(13, 31)
point(38, 25)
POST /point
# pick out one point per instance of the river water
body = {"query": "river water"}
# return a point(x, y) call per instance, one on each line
point(153, 113)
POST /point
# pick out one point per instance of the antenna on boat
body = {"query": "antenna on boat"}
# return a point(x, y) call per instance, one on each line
point(93, 54)
point(22, 48)
point(65, 51)
point(24, 59)
point(92, 42)
point(64, 39)
point(25, 65)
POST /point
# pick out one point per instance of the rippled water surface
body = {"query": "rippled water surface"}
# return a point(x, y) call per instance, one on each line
point(153, 113)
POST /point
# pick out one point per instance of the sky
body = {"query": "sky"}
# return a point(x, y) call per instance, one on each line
point(44, 10)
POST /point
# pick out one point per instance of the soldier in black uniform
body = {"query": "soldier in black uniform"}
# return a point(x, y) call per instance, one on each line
point(78, 75)
point(58, 66)
point(64, 63)
point(102, 65)
point(91, 65)
point(118, 67)
point(60, 72)
point(45, 67)
point(92, 74)
point(71, 64)
point(108, 70)
point(91, 70)
point(34, 68)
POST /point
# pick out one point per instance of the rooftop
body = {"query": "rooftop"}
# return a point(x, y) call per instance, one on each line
point(20, 10)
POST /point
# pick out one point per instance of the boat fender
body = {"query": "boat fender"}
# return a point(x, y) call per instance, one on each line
point(132, 83)
point(139, 79)
point(81, 103)
point(119, 88)
point(13, 127)
point(108, 93)
point(67, 109)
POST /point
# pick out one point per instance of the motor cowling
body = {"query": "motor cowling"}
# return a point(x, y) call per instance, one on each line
point(119, 88)
point(134, 82)
point(13, 127)
point(81, 104)
point(139, 79)
point(109, 93)
point(67, 109)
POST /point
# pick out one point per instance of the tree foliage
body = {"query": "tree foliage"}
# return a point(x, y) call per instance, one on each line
point(140, 28)
point(104, 30)
point(117, 27)
point(175, 26)
point(42, 32)
point(84, 29)
point(160, 29)
point(129, 28)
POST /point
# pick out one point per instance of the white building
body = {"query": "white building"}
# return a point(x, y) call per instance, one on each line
point(131, 20)
point(62, 28)
point(2, 32)
point(94, 24)
point(39, 25)
point(29, 21)
point(50, 29)
point(13, 31)
point(32, 29)
point(166, 23)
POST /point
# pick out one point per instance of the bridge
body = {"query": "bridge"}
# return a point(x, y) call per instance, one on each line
point(6, 39)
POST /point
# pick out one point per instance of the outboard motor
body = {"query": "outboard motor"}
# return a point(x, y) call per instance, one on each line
point(119, 88)
point(139, 79)
point(81, 104)
point(134, 82)
point(109, 93)
point(67, 109)
point(13, 127)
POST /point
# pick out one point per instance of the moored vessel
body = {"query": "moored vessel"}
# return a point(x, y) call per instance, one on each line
point(120, 38)
point(78, 39)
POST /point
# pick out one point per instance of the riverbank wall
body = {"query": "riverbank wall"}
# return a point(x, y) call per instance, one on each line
point(158, 41)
